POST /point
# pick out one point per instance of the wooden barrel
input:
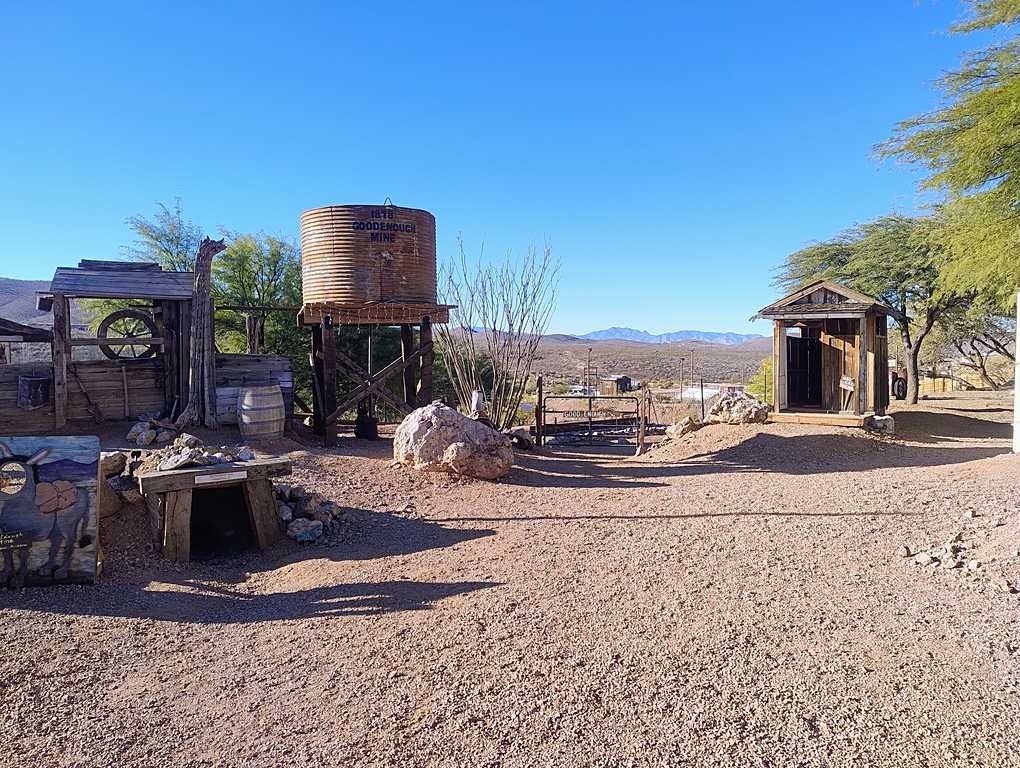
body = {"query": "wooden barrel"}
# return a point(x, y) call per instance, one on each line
point(260, 411)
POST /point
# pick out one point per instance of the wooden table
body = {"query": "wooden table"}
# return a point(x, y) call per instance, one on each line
point(168, 496)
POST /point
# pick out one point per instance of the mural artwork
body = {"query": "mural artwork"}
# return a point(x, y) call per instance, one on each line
point(48, 510)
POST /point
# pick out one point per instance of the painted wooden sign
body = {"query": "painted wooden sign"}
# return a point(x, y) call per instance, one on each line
point(48, 510)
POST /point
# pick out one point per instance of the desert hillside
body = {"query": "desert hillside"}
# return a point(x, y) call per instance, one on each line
point(564, 357)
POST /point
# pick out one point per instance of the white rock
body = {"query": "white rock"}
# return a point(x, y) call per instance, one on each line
point(923, 558)
point(685, 426)
point(285, 513)
point(244, 453)
point(738, 408)
point(137, 429)
point(146, 438)
point(304, 530)
point(439, 439)
point(165, 436)
point(973, 565)
point(884, 424)
point(188, 440)
point(112, 463)
point(521, 437)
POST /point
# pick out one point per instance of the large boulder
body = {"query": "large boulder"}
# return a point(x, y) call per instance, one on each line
point(440, 439)
point(738, 408)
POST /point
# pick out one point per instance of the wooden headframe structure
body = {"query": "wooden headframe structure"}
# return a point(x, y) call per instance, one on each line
point(830, 356)
point(326, 319)
point(170, 296)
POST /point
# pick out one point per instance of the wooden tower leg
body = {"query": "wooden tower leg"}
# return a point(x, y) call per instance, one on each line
point(328, 383)
point(61, 357)
point(427, 358)
point(410, 368)
point(317, 382)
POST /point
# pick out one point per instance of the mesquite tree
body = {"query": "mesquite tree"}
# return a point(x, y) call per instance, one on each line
point(502, 311)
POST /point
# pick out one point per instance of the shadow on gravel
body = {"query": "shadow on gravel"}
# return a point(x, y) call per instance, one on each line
point(210, 604)
point(764, 452)
point(926, 427)
point(369, 535)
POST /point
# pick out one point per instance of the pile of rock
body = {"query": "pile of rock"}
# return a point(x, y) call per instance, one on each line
point(304, 515)
point(738, 408)
point(151, 429)
point(188, 451)
point(955, 555)
point(437, 438)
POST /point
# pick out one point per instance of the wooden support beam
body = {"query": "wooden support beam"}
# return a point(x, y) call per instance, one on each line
point(328, 383)
point(359, 375)
point(427, 359)
point(61, 358)
point(315, 362)
point(258, 495)
point(177, 526)
point(374, 384)
point(95, 341)
point(212, 475)
point(538, 413)
point(410, 368)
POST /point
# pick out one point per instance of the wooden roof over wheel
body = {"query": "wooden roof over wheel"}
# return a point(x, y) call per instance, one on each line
point(823, 300)
point(121, 280)
point(12, 331)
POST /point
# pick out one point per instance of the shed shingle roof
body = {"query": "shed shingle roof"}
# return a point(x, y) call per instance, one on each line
point(125, 283)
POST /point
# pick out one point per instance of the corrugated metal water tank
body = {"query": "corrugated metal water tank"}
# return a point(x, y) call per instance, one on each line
point(356, 254)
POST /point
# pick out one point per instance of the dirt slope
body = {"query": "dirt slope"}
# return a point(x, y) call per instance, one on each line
point(738, 601)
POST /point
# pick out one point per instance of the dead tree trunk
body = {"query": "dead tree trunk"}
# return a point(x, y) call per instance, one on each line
point(201, 373)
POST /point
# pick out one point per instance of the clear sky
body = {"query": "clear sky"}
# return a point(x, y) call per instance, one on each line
point(671, 153)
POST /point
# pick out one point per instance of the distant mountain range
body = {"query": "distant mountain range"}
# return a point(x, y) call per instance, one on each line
point(630, 334)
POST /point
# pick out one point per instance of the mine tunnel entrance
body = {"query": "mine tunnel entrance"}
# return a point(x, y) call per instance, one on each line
point(220, 523)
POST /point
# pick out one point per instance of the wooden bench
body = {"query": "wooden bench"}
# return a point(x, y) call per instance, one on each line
point(168, 496)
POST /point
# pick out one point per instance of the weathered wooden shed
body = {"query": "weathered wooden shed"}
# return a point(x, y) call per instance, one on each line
point(145, 349)
point(830, 355)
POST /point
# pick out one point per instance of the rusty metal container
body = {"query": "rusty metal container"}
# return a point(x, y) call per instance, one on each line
point(357, 254)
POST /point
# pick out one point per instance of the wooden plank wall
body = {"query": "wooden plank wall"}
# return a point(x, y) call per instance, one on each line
point(839, 358)
point(235, 371)
point(103, 380)
point(14, 420)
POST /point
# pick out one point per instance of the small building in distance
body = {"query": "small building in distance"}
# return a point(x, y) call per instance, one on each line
point(616, 385)
point(830, 355)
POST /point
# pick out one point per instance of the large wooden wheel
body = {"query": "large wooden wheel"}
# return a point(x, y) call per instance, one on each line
point(128, 324)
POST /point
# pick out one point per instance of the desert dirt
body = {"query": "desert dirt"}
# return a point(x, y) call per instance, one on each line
point(735, 598)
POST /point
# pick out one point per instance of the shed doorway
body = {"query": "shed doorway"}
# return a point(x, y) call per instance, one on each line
point(804, 372)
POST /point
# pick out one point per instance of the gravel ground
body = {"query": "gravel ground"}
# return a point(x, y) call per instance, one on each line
point(733, 599)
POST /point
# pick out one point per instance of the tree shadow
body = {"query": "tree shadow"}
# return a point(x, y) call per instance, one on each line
point(764, 452)
point(209, 604)
point(929, 427)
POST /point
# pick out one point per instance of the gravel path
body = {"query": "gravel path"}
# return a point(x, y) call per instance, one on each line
point(734, 599)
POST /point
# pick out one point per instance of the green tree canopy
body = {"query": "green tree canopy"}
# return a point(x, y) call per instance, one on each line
point(167, 239)
point(969, 147)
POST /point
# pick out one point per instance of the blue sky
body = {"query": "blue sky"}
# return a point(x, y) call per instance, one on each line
point(672, 154)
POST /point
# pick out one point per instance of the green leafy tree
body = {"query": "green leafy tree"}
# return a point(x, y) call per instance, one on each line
point(259, 272)
point(896, 259)
point(969, 147)
point(761, 383)
point(167, 239)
